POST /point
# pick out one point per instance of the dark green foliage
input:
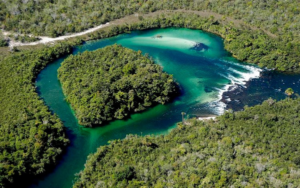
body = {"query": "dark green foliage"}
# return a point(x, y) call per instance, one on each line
point(3, 41)
point(257, 147)
point(113, 82)
point(125, 173)
point(31, 138)
point(297, 160)
point(281, 52)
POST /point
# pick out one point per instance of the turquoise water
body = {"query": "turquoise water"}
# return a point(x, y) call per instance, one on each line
point(203, 75)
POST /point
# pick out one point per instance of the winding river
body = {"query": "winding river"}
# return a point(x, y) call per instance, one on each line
point(204, 73)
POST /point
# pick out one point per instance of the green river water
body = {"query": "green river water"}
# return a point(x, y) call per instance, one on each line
point(204, 75)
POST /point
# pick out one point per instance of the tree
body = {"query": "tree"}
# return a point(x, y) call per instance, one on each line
point(289, 92)
point(3, 40)
point(183, 113)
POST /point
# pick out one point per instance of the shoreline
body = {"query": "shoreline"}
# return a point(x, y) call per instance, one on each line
point(219, 105)
point(254, 72)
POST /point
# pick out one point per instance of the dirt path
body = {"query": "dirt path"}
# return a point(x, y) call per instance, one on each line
point(133, 19)
point(45, 40)
point(206, 14)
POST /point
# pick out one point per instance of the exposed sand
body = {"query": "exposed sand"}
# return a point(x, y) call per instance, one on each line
point(45, 40)
point(207, 118)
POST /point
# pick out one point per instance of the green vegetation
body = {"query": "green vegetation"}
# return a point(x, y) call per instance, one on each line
point(24, 38)
point(3, 41)
point(245, 44)
point(113, 82)
point(257, 147)
point(55, 17)
point(31, 137)
point(289, 92)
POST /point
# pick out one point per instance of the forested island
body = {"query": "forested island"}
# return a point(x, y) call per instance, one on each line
point(257, 147)
point(113, 82)
point(262, 152)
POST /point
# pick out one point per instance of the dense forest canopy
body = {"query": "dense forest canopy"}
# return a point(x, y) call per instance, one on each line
point(31, 138)
point(257, 147)
point(112, 82)
point(53, 17)
point(3, 40)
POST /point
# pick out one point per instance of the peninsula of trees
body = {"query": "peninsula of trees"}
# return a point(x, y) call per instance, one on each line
point(113, 82)
point(31, 137)
point(257, 147)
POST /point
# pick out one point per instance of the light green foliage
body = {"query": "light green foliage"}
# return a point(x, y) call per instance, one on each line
point(289, 92)
point(113, 82)
point(257, 147)
point(53, 17)
point(31, 138)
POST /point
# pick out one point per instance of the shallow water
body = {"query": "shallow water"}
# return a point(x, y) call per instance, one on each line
point(203, 75)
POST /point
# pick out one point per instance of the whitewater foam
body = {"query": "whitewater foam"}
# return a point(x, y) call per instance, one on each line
point(244, 77)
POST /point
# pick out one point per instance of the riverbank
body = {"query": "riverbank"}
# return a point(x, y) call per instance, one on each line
point(260, 143)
